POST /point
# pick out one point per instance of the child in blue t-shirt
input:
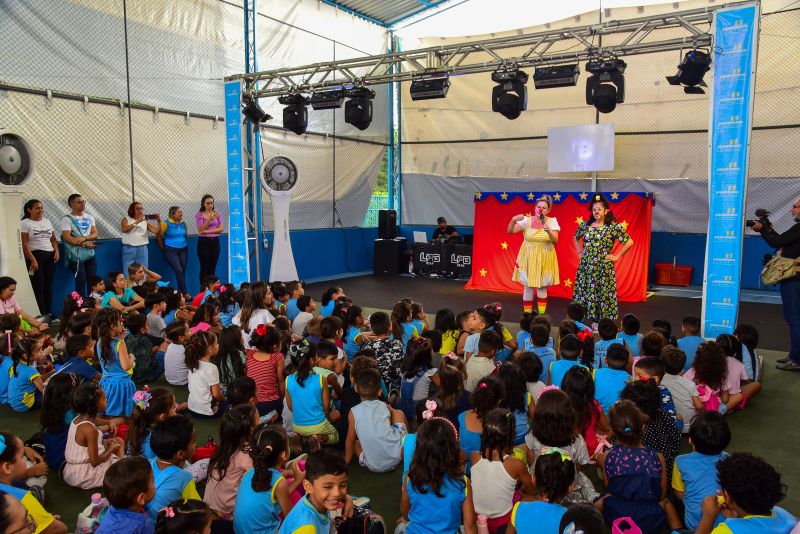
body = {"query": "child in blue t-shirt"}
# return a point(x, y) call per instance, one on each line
point(630, 333)
point(25, 385)
point(295, 290)
point(537, 344)
point(80, 349)
point(609, 381)
point(173, 441)
point(309, 399)
point(524, 334)
point(402, 327)
point(694, 475)
point(571, 348)
point(751, 489)
point(690, 326)
point(129, 486)
point(352, 330)
point(608, 336)
point(553, 476)
point(418, 317)
point(326, 488)
point(184, 515)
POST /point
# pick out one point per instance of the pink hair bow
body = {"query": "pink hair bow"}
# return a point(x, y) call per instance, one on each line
point(451, 355)
point(77, 298)
point(431, 406)
point(548, 388)
point(169, 512)
point(223, 288)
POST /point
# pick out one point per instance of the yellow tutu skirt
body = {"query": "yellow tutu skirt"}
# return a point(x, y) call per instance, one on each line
point(537, 263)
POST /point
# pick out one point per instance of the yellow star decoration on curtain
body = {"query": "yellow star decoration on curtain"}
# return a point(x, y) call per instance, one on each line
point(504, 245)
point(584, 196)
point(567, 283)
point(530, 196)
point(624, 225)
point(578, 220)
point(483, 272)
point(557, 197)
point(614, 196)
point(504, 196)
point(478, 196)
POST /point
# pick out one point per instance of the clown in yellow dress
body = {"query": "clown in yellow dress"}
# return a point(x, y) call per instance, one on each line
point(537, 264)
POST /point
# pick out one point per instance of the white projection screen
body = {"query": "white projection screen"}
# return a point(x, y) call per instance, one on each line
point(583, 148)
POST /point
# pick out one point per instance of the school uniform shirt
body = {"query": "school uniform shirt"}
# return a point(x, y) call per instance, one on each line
point(409, 332)
point(305, 519)
point(430, 514)
point(600, 348)
point(778, 522)
point(477, 368)
point(200, 382)
point(633, 341)
point(21, 389)
point(559, 368)
point(695, 474)
point(352, 340)
point(682, 390)
point(80, 367)
point(171, 483)
point(547, 356)
point(608, 384)
point(37, 512)
point(257, 511)
point(123, 521)
point(689, 345)
point(5, 376)
point(537, 516)
point(175, 370)
point(39, 233)
point(307, 406)
point(522, 338)
point(327, 309)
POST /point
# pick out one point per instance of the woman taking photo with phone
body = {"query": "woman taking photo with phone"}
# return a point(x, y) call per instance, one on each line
point(134, 235)
point(209, 226)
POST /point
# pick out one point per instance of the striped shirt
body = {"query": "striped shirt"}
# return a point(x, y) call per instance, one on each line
point(265, 373)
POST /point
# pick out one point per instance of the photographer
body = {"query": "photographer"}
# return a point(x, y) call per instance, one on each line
point(789, 245)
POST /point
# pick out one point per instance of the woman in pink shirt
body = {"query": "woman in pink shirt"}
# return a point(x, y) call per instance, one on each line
point(209, 226)
point(8, 304)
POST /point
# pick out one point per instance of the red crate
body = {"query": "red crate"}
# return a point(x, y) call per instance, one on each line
point(668, 274)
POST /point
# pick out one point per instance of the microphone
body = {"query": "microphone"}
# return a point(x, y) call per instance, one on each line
point(541, 217)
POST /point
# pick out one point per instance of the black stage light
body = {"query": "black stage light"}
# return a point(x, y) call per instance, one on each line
point(358, 108)
point(556, 76)
point(605, 88)
point(430, 87)
point(691, 71)
point(510, 95)
point(253, 112)
point(327, 99)
point(295, 114)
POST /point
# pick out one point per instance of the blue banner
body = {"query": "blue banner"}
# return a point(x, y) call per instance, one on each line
point(735, 52)
point(238, 262)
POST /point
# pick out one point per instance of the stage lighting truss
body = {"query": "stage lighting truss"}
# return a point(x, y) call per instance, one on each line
point(605, 88)
point(358, 109)
point(690, 74)
point(430, 86)
point(331, 99)
point(295, 114)
point(510, 95)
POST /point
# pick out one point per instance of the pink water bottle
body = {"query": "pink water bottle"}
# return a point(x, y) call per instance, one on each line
point(98, 503)
point(483, 526)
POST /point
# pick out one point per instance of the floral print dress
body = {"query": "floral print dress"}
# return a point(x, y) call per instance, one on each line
point(595, 284)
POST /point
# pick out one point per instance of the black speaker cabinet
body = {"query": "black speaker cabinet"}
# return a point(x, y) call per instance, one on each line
point(388, 256)
point(387, 224)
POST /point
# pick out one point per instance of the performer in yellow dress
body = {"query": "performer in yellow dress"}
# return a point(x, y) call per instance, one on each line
point(537, 264)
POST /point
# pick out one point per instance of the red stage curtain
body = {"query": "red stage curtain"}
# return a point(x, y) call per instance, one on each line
point(494, 250)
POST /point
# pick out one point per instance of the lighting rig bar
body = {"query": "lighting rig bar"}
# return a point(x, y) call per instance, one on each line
point(637, 38)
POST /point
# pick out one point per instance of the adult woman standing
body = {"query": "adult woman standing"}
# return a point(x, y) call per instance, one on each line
point(595, 284)
point(209, 226)
point(79, 234)
point(173, 241)
point(134, 235)
point(537, 264)
point(40, 246)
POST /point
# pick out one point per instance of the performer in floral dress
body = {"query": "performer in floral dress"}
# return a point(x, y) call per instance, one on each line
point(537, 264)
point(595, 283)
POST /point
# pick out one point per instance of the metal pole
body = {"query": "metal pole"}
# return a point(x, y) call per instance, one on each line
point(390, 173)
point(128, 82)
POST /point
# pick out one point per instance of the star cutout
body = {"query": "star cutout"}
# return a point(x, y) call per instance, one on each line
point(530, 196)
point(578, 220)
point(568, 283)
point(557, 197)
point(504, 196)
point(584, 196)
point(624, 225)
point(504, 245)
point(614, 196)
point(483, 272)
point(478, 196)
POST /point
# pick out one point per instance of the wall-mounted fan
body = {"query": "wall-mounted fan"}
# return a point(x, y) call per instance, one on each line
point(278, 176)
point(16, 169)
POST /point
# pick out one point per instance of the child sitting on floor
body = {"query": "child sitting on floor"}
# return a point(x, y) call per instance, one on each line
point(552, 478)
point(690, 326)
point(653, 370)
point(710, 372)
point(608, 336)
point(149, 358)
point(609, 381)
point(184, 516)
point(537, 344)
point(25, 385)
point(129, 486)
point(376, 430)
point(533, 370)
point(482, 364)
point(116, 364)
point(418, 376)
point(205, 394)
point(630, 334)
point(80, 349)
point(175, 370)
point(570, 348)
point(684, 391)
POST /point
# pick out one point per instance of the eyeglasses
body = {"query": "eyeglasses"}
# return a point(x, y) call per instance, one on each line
point(30, 527)
point(795, 206)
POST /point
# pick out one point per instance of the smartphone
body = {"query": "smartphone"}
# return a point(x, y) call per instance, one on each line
point(151, 217)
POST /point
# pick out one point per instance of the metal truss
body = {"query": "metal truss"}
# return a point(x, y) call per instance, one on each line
point(632, 37)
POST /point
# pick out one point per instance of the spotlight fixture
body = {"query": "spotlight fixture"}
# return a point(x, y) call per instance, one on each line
point(691, 71)
point(510, 95)
point(430, 87)
point(605, 88)
point(327, 99)
point(295, 114)
point(556, 76)
point(253, 112)
point(358, 109)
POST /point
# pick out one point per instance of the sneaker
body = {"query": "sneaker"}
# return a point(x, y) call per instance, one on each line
point(788, 366)
point(782, 360)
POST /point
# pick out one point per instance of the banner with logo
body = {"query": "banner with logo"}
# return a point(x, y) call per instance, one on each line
point(238, 260)
point(494, 250)
point(735, 52)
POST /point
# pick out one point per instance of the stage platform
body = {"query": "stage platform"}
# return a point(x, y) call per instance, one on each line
point(759, 308)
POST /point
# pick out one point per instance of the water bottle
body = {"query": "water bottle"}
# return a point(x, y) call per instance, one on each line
point(483, 526)
point(98, 505)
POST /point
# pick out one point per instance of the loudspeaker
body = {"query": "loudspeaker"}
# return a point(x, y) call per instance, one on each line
point(387, 224)
point(388, 256)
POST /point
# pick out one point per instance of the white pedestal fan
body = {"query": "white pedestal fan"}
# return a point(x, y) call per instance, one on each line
point(279, 176)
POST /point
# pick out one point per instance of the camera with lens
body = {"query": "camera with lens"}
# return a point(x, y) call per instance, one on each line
point(762, 217)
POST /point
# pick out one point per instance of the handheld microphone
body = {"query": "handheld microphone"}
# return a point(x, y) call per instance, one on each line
point(541, 217)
